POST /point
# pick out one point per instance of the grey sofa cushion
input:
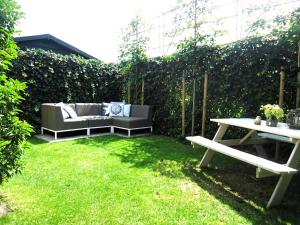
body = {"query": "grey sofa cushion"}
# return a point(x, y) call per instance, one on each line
point(98, 121)
point(144, 111)
point(131, 122)
point(88, 109)
point(69, 124)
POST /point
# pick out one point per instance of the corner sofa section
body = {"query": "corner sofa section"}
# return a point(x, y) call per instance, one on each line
point(89, 118)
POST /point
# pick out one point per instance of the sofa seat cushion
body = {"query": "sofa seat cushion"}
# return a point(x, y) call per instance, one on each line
point(76, 123)
point(98, 121)
point(131, 122)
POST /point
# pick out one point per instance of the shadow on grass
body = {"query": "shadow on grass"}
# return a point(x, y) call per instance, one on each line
point(36, 141)
point(230, 181)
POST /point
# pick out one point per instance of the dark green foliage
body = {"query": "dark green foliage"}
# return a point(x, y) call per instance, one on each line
point(9, 15)
point(13, 131)
point(53, 77)
point(242, 76)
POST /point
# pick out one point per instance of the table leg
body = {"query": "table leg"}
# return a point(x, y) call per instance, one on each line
point(285, 179)
point(260, 149)
point(209, 153)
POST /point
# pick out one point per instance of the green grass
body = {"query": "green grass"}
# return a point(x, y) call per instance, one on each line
point(145, 180)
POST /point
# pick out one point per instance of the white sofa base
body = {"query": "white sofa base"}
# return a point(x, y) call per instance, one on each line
point(88, 130)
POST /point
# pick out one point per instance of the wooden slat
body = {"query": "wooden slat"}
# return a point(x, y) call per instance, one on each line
point(251, 141)
point(276, 137)
point(247, 136)
point(243, 156)
point(282, 128)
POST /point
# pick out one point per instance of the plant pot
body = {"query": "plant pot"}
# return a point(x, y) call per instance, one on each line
point(271, 122)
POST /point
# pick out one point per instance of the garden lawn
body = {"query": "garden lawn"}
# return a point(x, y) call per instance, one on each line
point(144, 180)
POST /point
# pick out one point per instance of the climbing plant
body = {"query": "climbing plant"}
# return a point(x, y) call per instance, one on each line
point(132, 56)
point(242, 76)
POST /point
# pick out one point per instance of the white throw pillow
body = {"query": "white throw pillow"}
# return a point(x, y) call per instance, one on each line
point(64, 112)
point(116, 109)
point(70, 111)
point(105, 109)
point(127, 108)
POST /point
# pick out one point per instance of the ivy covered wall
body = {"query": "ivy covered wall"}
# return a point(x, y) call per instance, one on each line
point(242, 76)
point(54, 78)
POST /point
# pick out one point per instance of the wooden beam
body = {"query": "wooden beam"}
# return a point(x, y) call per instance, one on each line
point(298, 79)
point(143, 91)
point(277, 137)
point(194, 106)
point(209, 153)
point(128, 92)
point(280, 103)
point(281, 88)
point(247, 136)
point(261, 173)
point(204, 104)
point(183, 107)
point(251, 141)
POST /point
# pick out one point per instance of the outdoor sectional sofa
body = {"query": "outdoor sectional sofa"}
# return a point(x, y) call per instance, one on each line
point(88, 118)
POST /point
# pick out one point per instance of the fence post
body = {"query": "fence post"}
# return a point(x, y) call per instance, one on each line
point(128, 92)
point(281, 89)
point(183, 107)
point(280, 103)
point(194, 106)
point(204, 103)
point(298, 79)
point(143, 91)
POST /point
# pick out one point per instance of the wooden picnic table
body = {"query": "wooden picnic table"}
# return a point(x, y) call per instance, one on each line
point(257, 136)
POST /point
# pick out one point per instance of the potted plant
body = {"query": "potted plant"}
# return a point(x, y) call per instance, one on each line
point(273, 114)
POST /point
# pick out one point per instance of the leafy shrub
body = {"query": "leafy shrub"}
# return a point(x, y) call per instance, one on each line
point(53, 77)
point(13, 131)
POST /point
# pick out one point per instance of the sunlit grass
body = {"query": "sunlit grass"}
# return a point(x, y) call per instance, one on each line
point(145, 180)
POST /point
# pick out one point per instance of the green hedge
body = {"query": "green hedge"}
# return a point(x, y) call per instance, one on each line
point(13, 131)
point(53, 77)
point(242, 76)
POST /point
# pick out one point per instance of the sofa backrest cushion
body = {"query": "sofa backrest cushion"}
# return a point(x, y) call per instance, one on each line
point(72, 105)
point(88, 109)
point(144, 111)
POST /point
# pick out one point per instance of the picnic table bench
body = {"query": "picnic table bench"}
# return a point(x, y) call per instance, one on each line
point(258, 135)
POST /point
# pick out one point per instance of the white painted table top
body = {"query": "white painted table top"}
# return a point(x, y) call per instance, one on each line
point(281, 129)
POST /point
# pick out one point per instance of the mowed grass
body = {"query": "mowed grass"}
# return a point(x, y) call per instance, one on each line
point(144, 180)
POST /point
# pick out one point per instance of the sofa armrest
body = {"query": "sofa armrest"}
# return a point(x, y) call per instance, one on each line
point(51, 116)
